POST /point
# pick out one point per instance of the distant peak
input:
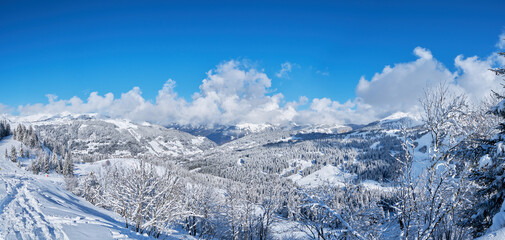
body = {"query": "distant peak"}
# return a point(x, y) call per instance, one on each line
point(402, 115)
point(254, 127)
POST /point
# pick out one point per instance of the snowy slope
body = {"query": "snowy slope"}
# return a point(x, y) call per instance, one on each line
point(495, 235)
point(328, 129)
point(37, 207)
point(326, 175)
point(395, 121)
point(94, 135)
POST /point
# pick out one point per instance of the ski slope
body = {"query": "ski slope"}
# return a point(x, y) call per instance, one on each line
point(38, 207)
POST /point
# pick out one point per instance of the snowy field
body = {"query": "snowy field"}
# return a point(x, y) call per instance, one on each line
point(38, 207)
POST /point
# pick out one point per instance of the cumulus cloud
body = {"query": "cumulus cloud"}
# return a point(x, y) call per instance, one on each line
point(475, 78)
point(285, 70)
point(324, 111)
point(235, 93)
point(230, 94)
point(398, 88)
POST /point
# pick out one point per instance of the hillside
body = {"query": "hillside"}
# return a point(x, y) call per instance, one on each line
point(101, 137)
point(39, 207)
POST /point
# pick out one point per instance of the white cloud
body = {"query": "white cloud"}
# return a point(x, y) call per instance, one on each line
point(501, 41)
point(475, 78)
point(4, 109)
point(230, 94)
point(234, 92)
point(398, 88)
point(328, 112)
point(423, 53)
point(285, 70)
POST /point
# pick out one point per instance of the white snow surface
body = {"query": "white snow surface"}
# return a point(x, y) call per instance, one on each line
point(328, 129)
point(41, 117)
point(252, 127)
point(498, 222)
point(494, 235)
point(122, 123)
point(38, 207)
point(415, 119)
point(327, 174)
point(374, 185)
point(485, 161)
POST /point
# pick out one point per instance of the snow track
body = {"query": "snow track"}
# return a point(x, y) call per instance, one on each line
point(21, 215)
point(38, 207)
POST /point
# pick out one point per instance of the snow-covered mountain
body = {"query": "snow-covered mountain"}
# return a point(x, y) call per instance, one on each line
point(105, 137)
point(223, 134)
point(313, 155)
point(328, 129)
point(395, 121)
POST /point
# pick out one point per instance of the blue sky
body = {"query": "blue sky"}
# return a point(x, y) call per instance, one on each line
point(73, 48)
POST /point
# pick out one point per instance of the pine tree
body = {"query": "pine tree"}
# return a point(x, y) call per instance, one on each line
point(59, 166)
point(33, 139)
point(21, 152)
point(30, 130)
point(6, 154)
point(46, 166)
point(4, 129)
point(68, 167)
point(14, 155)
point(26, 138)
point(35, 167)
point(54, 162)
point(490, 172)
point(92, 188)
point(20, 133)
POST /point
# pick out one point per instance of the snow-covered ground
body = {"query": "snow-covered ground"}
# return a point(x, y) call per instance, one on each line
point(494, 235)
point(326, 175)
point(38, 207)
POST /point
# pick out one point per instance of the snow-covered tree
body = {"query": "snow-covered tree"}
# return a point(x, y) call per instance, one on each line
point(14, 155)
point(443, 115)
point(46, 165)
point(430, 198)
point(321, 213)
point(489, 173)
point(55, 163)
point(204, 207)
point(21, 152)
point(92, 190)
point(35, 167)
point(149, 200)
point(5, 129)
point(68, 166)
